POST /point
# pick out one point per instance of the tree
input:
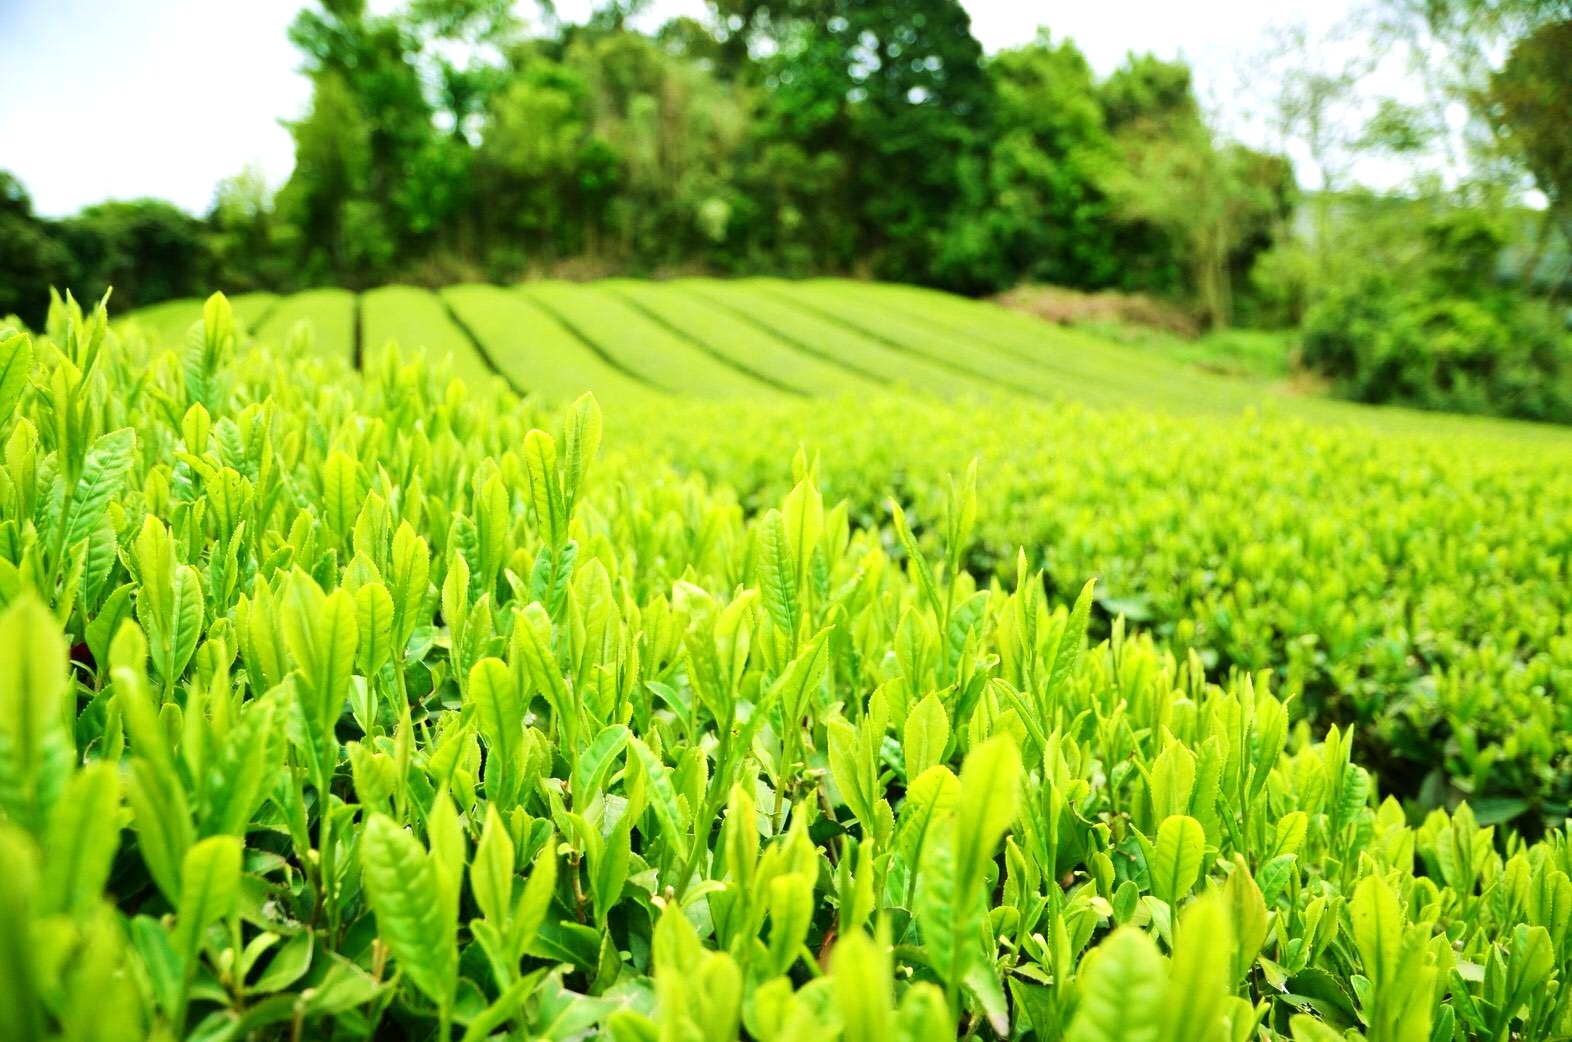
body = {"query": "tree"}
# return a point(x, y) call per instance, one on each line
point(898, 89)
point(34, 258)
point(146, 250)
point(1150, 94)
point(527, 166)
point(1452, 47)
point(326, 198)
point(244, 226)
point(1531, 102)
point(1047, 216)
point(364, 155)
point(1203, 196)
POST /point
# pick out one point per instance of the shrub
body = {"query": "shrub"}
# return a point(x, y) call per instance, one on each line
point(1499, 355)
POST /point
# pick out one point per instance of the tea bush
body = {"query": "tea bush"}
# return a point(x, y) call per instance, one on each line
point(363, 706)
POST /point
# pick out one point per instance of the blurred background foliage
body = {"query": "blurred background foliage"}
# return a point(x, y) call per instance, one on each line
point(457, 140)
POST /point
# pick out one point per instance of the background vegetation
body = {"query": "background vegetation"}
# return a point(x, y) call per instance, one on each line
point(455, 140)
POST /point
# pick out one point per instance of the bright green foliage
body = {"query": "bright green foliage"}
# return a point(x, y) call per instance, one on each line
point(1398, 577)
point(418, 319)
point(382, 706)
point(534, 351)
point(328, 314)
point(641, 345)
point(744, 344)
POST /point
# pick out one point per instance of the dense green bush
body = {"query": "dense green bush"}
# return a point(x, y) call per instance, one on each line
point(1381, 343)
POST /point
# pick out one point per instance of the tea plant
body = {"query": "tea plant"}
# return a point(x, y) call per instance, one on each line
point(1416, 586)
point(367, 706)
point(418, 318)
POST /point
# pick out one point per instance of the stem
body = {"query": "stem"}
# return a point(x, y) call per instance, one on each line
point(325, 856)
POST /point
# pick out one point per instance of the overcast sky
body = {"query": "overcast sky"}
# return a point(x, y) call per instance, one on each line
point(125, 98)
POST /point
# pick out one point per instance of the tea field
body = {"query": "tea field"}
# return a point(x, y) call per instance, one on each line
point(710, 660)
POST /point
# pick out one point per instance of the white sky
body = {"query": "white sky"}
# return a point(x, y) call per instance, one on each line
point(125, 98)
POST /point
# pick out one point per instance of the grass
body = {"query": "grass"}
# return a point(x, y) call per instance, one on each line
point(1254, 354)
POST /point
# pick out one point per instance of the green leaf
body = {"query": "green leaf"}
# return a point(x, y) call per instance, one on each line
point(1247, 913)
point(930, 798)
point(794, 688)
point(103, 476)
point(343, 987)
point(169, 604)
point(34, 704)
point(803, 514)
point(532, 653)
point(983, 984)
point(845, 743)
point(374, 627)
point(491, 875)
point(1068, 651)
point(322, 635)
point(778, 572)
point(163, 823)
point(504, 1009)
point(581, 441)
point(535, 902)
point(499, 714)
point(341, 493)
point(1176, 858)
point(187, 620)
point(409, 579)
point(83, 833)
point(16, 362)
point(927, 734)
point(663, 796)
point(1171, 781)
point(1122, 986)
point(19, 999)
point(1198, 977)
point(289, 964)
point(862, 976)
point(1531, 960)
point(218, 320)
point(112, 613)
point(988, 803)
point(1378, 928)
point(493, 523)
point(591, 767)
point(1306, 1028)
point(540, 456)
point(949, 914)
point(924, 1016)
point(402, 888)
point(609, 868)
point(919, 563)
point(791, 914)
point(209, 890)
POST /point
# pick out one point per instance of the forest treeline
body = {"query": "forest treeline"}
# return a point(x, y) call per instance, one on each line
point(454, 139)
